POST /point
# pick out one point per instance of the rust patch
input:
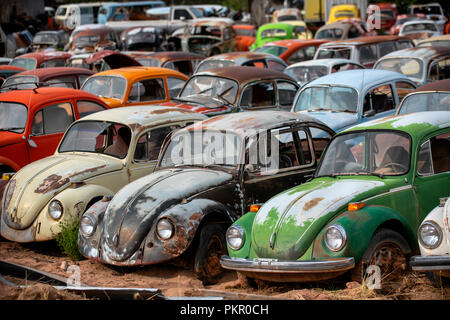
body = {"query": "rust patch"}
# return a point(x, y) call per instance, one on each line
point(311, 203)
point(177, 244)
point(163, 111)
point(79, 208)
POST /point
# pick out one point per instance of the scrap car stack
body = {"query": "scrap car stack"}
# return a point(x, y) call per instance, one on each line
point(191, 135)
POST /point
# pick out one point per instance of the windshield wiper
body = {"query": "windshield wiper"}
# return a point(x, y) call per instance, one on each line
point(318, 109)
point(206, 90)
point(359, 173)
point(220, 96)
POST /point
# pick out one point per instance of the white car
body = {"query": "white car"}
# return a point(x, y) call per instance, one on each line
point(419, 29)
point(434, 241)
point(433, 11)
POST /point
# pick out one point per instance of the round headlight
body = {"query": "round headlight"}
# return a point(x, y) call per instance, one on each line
point(430, 235)
point(55, 209)
point(88, 224)
point(164, 229)
point(335, 237)
point(235, 237)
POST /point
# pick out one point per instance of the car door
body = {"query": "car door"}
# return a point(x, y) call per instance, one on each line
point(147, 91)
point(48, 126)
point(379, 101)
point(432, 178)
point(277, 159)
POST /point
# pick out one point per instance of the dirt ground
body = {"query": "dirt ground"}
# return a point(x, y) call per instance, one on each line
point(175, 281)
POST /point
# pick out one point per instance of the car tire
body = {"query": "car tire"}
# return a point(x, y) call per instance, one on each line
point(389, 251)
point(211, 247)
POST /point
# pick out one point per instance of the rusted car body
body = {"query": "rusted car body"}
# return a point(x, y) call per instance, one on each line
point(37, 60)
point(244, 58)
point(245, 36)
point(184, 62)
point(49, 40)
point(286, 14)
point(433, 96)
point(341, 30)
point(135, 85)
point(235, 89)
point(102, 60)
point(96, 39)
point(185, 206)
point(292, 51)
point(363, 50)
point(142, 39)
point(51, 77)
point(420, 64)
point(97, 156)
point(210, 37)
point(402, 18)
point(419, 30)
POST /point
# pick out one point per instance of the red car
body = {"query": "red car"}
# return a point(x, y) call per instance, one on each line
point(291, 50)
point(387, 14)
point(245, 36)
point(402, 18)
point(32, 122)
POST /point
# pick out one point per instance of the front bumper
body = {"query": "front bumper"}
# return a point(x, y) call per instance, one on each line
point(289, 270)
point(430, 263)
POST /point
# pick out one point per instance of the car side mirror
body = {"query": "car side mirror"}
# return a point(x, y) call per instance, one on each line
point(369, 113)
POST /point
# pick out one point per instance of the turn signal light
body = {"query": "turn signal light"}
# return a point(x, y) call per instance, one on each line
point(355, 206)
point(255, 207)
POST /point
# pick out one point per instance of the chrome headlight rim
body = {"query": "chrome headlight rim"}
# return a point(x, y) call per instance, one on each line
point(169, 223)
point(341, 230)
point(439, 233)
point(93, 222)
point(50, 210)
point(241, 232)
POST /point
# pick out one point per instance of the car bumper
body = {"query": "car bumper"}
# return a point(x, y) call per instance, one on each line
point(430, 263)
point(289, 271)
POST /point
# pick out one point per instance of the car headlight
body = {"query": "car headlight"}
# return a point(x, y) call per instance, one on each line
point(235, 237)
point(88, 224)
point(430, 235)
point(55, 209)
point(164, 229)
point(335, 237)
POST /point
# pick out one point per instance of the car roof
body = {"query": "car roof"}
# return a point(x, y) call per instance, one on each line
point(246, 123)
point(363, 40)
point(134, 73)
point(436, 38)
point(441, 85)
point(245, 74)
point(36, 97)
point(322, 62)
point(43, 73)
point(416, 124)
point(275, 25)
point(425, 53)
point(45, 56)
point(295, 42)
point(358, 79)
point(141, 116)
point(241, 57)
point(171, 55)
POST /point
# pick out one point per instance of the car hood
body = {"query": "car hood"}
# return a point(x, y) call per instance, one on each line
point(201, 104)
point(114, 59)
point(287, 224)
point(136, 207)
point(7, 138)
point(37, 183)
point(335, 120)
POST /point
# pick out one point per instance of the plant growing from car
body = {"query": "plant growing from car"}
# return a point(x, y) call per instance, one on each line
point(68, 237)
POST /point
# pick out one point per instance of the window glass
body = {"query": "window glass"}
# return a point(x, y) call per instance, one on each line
point(367, 53)
point(53, 63)
point(328, 53)
point(410, 67)
point(305, 153)
point(286, 93)
point(404, 44)
point(320, 139)
point(309, 52)
point(106, 86)
point(297, 56)
point(13, 116)
point(379, 99)
point(258, 95)
point(336, 98)
point(424, 163)
point(64, 82)
point(386, 47)
point(149, 144)
point(181, 66)
point(174, 85)
point(37, 128)
point(182, 13)
point(403, 88)
point(275, 65)
point(444, 69)
point(440, 152)
point(433, 74)
point(353, 33)
point(426, 101)
point(86, 107)
point(57, 117)
point(147, 90)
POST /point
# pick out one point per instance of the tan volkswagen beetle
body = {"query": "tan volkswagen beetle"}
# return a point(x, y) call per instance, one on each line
point(97, 156)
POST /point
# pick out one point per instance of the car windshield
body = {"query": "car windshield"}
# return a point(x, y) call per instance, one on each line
point(327, 53)
point(333, 98)
point(86, 40)
point(306, 73)
point(212, 31)
point(25, 63)
point(21, 82)
point(213, 64)
point(202, 148)
point(329, 34)
point(287, 18)
point(210, 86)
point(439, 43)
point(367, 153)
point(78, 63)
point(410, 67)
point(428, 10)
point(427, 101)
point(13, 116)
point(273, 33)
point(45, 38)
point(244, 32)
point(61, 11)
point(419, 26)
point(275, 50)
point(106, 86)
point(344, 14)
point(149, 62)
point(98, 137)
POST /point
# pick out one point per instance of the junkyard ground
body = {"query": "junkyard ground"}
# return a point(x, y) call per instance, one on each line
point(175, 281)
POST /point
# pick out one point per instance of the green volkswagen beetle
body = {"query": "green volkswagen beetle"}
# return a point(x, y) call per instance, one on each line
point(274, 31)
point(360, 213)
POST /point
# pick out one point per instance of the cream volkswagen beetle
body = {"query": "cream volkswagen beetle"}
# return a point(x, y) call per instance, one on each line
point(97, 156)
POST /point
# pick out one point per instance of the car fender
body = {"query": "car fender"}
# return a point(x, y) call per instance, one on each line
point(8, 162)
point(246, 222)
point(360, 226)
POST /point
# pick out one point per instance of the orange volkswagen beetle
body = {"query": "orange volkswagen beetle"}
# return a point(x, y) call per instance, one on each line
point(133, 86)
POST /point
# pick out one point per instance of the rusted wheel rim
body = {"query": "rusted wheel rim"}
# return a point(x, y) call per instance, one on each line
point(391, 260)
point(215, 251)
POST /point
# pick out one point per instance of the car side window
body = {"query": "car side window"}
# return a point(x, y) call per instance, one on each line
point(403, 88)
point(149, 143)
point(271, 64)
point(444, 69)
point(286, 93)
point(434, 155)
point(309, 52)
point(182, 13)
point(63, 82)
point(404, 44)
point(297, 56)
point(147, 90)
point(378, 100)
point(52, 119)
point(82, 78)
point(174, 85)
point(53, 63)
point(258, 95)
point(320, 139)
point(367, 54)
point(385, 48)
point(86, 107)
point(353, 33)
point(433, 74)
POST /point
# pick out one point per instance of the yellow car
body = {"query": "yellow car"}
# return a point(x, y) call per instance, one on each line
point(300, 29)
point(343, 11)
point(133, 86)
